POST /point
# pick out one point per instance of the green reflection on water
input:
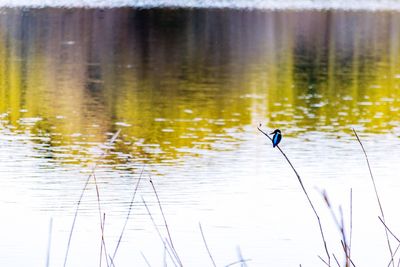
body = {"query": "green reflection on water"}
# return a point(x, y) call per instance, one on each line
point(185, 81)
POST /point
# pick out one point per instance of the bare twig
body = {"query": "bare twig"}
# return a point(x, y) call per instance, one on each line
point(308, 198)
point(376, 193)
point(205, 244)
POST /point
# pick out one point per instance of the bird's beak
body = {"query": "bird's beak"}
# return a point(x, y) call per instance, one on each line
point(272, 133)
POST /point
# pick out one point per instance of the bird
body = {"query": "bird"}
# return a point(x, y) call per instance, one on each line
point(276, 138)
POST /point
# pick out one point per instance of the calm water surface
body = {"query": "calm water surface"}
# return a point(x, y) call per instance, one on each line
point(187, 88)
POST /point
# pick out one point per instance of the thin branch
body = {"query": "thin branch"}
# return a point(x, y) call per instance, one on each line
point(205, 244)
point(308, 198)
point(376, 192)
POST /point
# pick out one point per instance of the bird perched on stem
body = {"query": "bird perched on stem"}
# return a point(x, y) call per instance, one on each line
point(276, 138)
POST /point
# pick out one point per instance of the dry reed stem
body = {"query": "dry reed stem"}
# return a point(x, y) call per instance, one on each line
point(323, 260)
point(205, 244)
point(351, 220)
point(165, 256)
point(340, 226)
point(336, 260)
point(384, 224)
point(165, 222)
point(344, 239)
point(240, 256)
point(75, 217)
point(127, 216)
point(159, 234)
point(101, 219)
point(376, 193)
point(348, 260)
point(394, 254)
point(237, 262)
point(145, 259)
point(112, 140)
point(111, 261)
point(49, 242)
point(306, 194)
point(101, 243)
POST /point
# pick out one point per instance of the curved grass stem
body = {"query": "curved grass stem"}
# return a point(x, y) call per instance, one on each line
point(376, 194)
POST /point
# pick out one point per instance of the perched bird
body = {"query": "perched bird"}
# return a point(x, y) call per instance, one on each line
point(276, 138)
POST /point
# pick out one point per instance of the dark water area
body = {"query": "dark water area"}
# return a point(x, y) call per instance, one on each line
point(181, 79)
point(187, 88)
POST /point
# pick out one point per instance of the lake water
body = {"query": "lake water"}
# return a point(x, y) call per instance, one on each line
point(187, 89)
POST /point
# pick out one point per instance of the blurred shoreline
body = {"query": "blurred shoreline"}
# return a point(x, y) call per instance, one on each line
point(365, 5)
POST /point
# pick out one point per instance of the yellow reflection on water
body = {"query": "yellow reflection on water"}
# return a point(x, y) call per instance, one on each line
point(186, 81)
